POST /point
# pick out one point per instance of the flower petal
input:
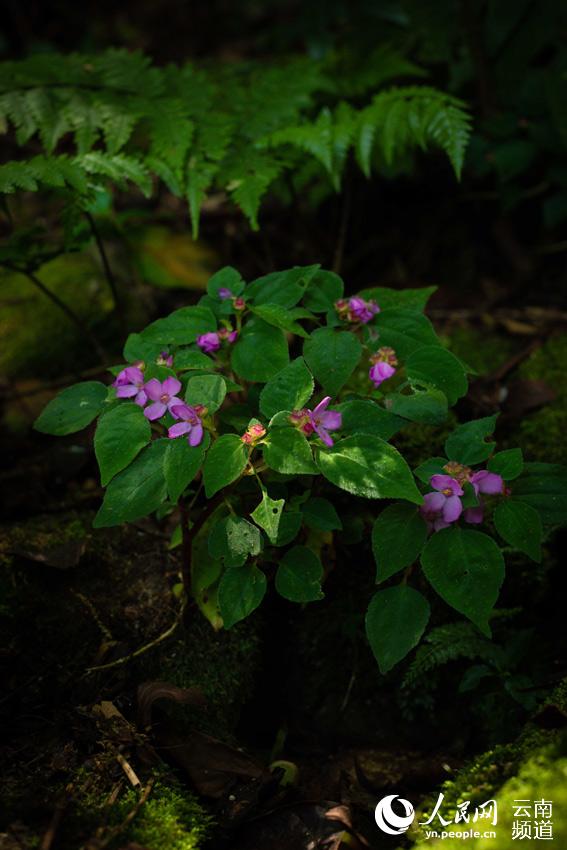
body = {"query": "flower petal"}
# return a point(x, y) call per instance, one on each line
point(196, 435)
point(322, 434)
point(446, 482)
point(171, 386)
point(126, 391)
point(331, 419)
point(487, 482)
point(322, 406)
point(179, 410)
point(178, 429)
point(452, 509)
point(155, 410)
point(153, 389)
point(141, 398)
point(474, 515)
point(433, 502)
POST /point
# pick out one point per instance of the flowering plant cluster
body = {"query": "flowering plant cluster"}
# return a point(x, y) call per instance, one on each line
point(264, 421)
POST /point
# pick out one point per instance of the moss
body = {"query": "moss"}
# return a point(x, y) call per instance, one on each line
point(36, 336)
point(417, 442)
point(222, 664)
point(542, 776)
point(482, 349)
point(542, 434)
point(172, 819)
point(531, 767)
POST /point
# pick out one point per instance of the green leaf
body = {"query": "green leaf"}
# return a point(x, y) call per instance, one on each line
point(299, 575)
point(240, 592)
point(234, 539)
point(285, 288)
point(332, 356)
point(367, 466)
point(225, 278)
point(544, 487)
point(120, 435)
point(260, 352)
point(225, 462)
point(404, 330)
point(367, 417)
point(319, 513)
point(398, 536)
point(435, 366)
point(467, 444)
point(428, 407)
point(137, 348)
point(324, 289)
point(136, 491)
point(209, 390)
point(290, 389)
point(181, 464)
point(466, 568)
point(519, 525)
point(286, 450)
point(508, 464)
point(433, 466)
point(395, 621)
point(268, 515)
point(181, 327)
point(290, 523)
point(411, 299)
point(279, 317)
point(72, 409)
point(192, 359)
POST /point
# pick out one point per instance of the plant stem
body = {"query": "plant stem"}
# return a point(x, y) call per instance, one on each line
point(118, 305)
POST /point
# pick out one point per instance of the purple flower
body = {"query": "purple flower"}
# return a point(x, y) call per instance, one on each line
point(361, 310)
point(208, 342)
point(380, 372)
point(163, 396)
point(487, 482)
point(130, 384)
point(474, 515)
point(165, 359)
point(444, 507)
point(224, 293)
point(227, 334)
point(190, 424)
point(322, 420)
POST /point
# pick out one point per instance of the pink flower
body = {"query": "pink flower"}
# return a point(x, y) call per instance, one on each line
point(165, 359)
point(227, 334)
point(380, 372)
point(130, 384)
point(444, 507)
point(253, 434)
point(208, 342)
point(361, 310)
point(322, 420)
point(190, 424)
point(163, 396)
point(487, 482)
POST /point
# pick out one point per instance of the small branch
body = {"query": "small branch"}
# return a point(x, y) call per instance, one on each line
point(143, 649)
point(118, 305)
point(71, 315)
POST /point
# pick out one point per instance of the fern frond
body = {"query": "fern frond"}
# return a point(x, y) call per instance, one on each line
point(444, 644)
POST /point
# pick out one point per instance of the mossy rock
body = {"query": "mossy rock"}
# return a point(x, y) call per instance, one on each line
point(36, 337)
point(171, 818)
point(542, 433)
point(532, 767)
